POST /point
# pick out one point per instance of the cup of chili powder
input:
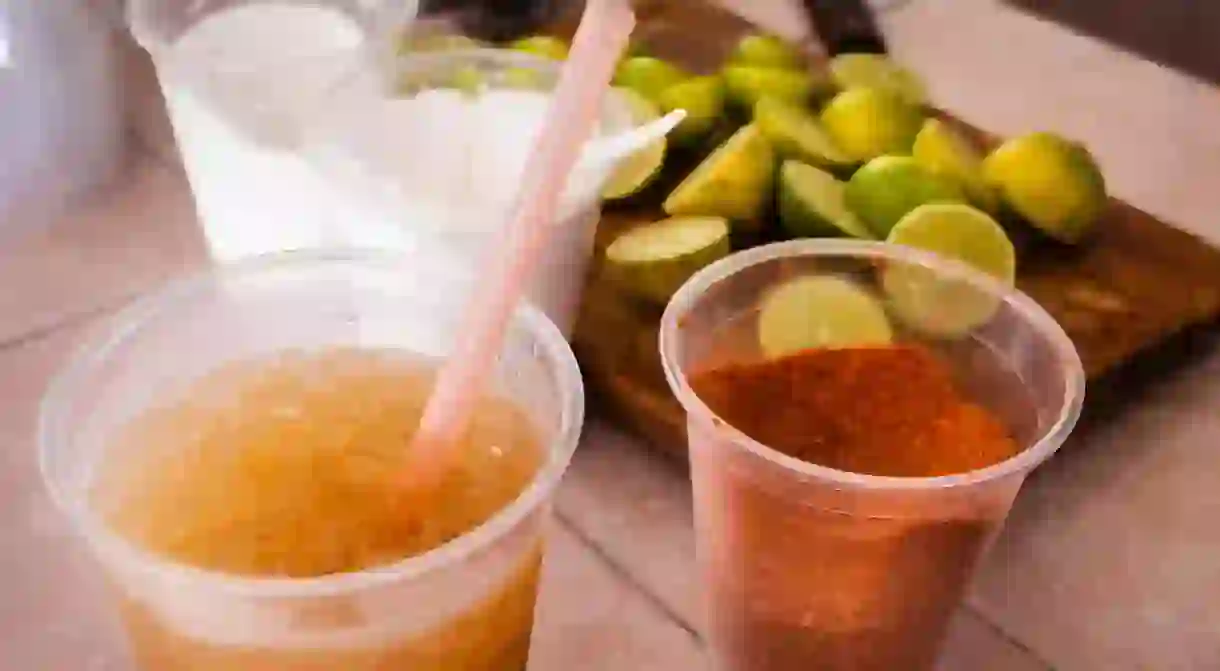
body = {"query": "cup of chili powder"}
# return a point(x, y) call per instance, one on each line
point(844, 493)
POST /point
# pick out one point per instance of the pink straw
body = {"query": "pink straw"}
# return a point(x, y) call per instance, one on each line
point(600, 40)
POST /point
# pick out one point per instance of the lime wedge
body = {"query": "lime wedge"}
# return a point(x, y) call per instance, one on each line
point(767, 51)
point(796, 133)
point(703, 100)
point(734, 182)
point(747, 84)
point(940, 305)
point(527, 79)
point(648, 76)
point(867, 123)
point(822, 311)
point(851, 71)
point(943, 150)
point(653, 260)
point(546, 46)
point(638, 170)
point(1049, 181)
point(812, 204)
point(885, 189)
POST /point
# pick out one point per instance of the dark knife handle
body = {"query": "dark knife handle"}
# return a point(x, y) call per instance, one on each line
point(845, 26)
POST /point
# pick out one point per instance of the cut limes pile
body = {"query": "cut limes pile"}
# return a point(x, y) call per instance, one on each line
point(820, 311)
point(779, 146)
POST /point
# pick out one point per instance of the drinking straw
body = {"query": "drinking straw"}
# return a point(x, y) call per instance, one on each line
point(600, 40)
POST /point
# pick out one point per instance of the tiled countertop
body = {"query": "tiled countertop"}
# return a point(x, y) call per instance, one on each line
point(1109, 561)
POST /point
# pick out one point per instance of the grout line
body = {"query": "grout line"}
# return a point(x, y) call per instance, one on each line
point(1009, 638)
point(616, 567)
point(70, 320)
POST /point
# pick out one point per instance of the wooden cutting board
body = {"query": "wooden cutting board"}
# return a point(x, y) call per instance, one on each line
point(1124, 297)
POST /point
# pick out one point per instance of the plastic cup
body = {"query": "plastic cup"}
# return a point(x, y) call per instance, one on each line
point(430, 158)
point(238, 100)
point(806, 567)
point(465, 605)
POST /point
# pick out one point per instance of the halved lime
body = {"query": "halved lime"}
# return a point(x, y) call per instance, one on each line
point(850, 71)
point(653, 260)
point(866, 123)
point(1051, 182)
point(747, 84)
point(648, 76)
point(524, 78)
point(637, 170)
point(703, 100)
point(547, 46)
point(820, 311)
point(767, 51)
point(945, 151)
point(734, 182)
point(942, 305)
point(797, 133)
point(812, 204)
point(885, 189)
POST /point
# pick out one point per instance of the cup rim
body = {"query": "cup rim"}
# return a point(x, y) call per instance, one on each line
point(1067, 357)
point(54, 430)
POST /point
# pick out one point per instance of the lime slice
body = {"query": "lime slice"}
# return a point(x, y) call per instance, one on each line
point(648, 76)
point(703, 100)
point(936, 304)
point(867, 123)
point(767, 51)
point(1052, 183)
point(822, 311)
point(734, 182)
point(796, 133)
point(812, 204)
point(746, 85)
point(885, 189)
point(546, 46)
point(653, 260)
point(943, 150)
point(851, 71)
point(638, 170)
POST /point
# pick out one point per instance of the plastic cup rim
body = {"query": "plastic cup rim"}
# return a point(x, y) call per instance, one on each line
point(56, 407)
point(1023, 462)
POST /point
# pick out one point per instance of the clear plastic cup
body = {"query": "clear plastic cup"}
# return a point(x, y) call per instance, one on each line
point(467, 604)
point(806, 567)
point(240, 79)
point(427, 160)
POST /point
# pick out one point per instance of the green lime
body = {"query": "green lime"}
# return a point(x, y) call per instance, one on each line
point(867, 123)
point(943, 150)
point(1052, 183)
point(767, 51)
point(638, 170)
point(852, 71)
point(653, 260)
point(885, 189)
point(940, 305)
point(747, 84)
point(468, 79)
point(823, 311)
point(734, 182)
point(546, 46)
point(797, 133)
point(812, 204)
point(648, 76)
point(703, 100)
